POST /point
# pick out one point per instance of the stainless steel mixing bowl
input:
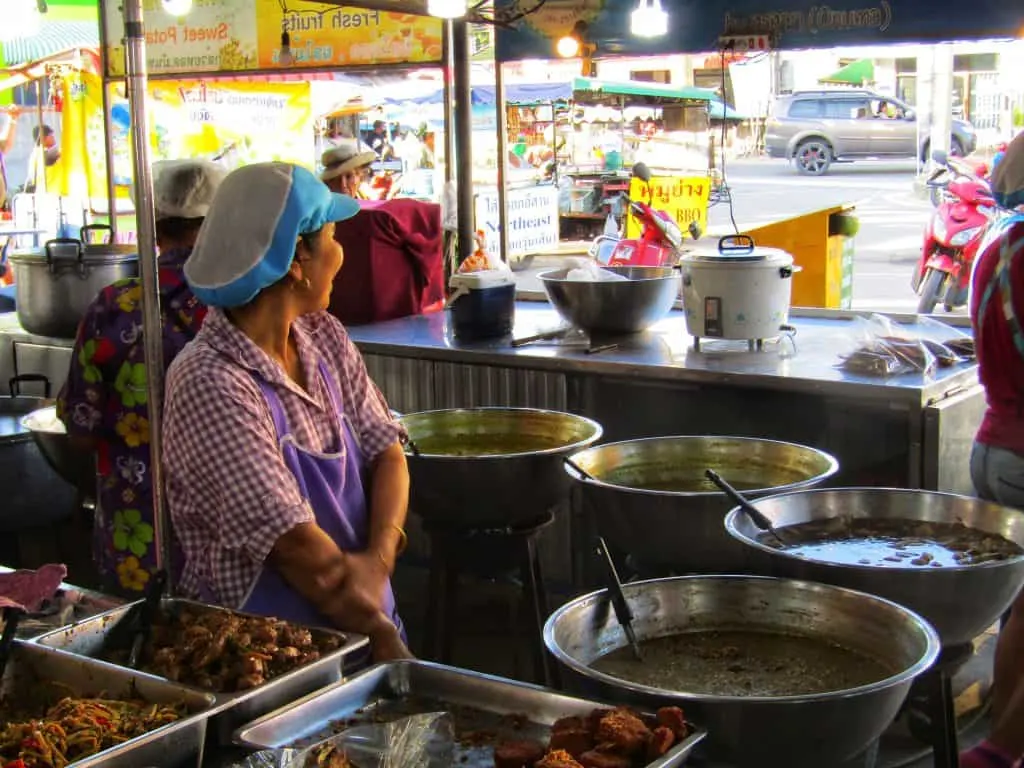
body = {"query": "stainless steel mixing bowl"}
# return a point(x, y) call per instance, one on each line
point(681, 530)
point(496, 490)
point(960, 602)
point(795, 731)
point(614, 306)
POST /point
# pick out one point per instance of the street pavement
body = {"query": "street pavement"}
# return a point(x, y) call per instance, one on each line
point(892, 219)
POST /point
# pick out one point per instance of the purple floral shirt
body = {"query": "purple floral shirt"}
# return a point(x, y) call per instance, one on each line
point(105, 399)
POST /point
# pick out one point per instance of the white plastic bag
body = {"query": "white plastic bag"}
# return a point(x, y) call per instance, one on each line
point(591, 272)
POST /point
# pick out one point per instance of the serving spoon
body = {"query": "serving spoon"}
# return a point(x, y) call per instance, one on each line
point(623, 613)
point(756, 516)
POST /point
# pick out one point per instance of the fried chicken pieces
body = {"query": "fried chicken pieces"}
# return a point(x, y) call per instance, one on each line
point(608, 738)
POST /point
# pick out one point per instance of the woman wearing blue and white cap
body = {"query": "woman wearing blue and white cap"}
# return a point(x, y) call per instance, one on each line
point(286, 479)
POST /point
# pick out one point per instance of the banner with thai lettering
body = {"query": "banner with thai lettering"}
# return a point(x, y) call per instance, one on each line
point(685, 199)
point(323, 35)
point(696, 25)
point(242, 35)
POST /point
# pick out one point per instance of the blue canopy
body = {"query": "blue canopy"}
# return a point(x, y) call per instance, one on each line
point(719, 111)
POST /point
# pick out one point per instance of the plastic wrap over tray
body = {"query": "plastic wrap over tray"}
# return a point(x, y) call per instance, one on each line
point(87, 638)
point(172, 746)
point(488, 701)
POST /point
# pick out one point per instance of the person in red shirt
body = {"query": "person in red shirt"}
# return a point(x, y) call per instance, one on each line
point(997, 460)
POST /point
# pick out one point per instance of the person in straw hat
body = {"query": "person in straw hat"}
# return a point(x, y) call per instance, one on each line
point(347, 169)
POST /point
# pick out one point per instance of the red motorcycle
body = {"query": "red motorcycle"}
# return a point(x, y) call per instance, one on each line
point(659, 241)
point(952, 237)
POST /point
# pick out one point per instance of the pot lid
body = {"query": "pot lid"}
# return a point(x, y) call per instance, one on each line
point(739, 250)
point(67, 251)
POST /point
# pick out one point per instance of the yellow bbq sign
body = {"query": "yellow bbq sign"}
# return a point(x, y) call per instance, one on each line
point(685, 198)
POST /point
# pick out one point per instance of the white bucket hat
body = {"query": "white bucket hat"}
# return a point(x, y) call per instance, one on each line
point(346, 156)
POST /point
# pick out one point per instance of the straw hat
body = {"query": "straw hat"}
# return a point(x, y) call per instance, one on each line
point(346, 156)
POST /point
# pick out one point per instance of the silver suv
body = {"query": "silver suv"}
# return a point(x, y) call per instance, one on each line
point(818, 128)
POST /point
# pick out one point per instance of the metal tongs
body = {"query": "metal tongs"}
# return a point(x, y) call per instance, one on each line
point(623, 612)
point(12, 617)
point(756, 516)
point(594, 346)
point(142, 622)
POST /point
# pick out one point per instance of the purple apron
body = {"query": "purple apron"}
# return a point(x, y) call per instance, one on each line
point(333, 486)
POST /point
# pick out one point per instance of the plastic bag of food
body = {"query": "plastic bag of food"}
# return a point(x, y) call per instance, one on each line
point(591, 272)
point(411, 742)
point(949, 345)
point(881, 347)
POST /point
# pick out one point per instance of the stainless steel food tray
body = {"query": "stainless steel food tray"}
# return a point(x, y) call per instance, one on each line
point(173, 746)
point(86, 638)
point(310, 719)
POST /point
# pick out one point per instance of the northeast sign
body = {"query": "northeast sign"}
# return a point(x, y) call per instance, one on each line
point(695, 26)
point(532, 220)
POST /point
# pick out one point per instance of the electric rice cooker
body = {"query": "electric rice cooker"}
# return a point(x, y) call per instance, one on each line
point(740, 291)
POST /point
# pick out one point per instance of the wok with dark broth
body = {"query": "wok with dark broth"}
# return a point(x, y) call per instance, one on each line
point(743, 663)
point(892, 543)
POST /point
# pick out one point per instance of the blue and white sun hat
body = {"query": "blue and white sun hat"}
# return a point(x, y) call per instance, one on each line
point(248, 239)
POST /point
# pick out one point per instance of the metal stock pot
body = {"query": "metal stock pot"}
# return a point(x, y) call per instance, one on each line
point(55, 285)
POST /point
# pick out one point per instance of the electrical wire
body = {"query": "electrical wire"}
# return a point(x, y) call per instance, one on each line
point(725, 124)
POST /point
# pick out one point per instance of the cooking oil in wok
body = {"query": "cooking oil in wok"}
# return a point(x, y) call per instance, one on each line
point(744, 662)
point(892, 543)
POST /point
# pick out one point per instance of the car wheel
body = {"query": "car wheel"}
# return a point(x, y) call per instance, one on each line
point(813, 157)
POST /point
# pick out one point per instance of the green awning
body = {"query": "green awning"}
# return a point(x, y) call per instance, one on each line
point(592, 91)
point(860, 72)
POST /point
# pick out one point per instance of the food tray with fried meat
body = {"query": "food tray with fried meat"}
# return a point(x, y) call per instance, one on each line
point(252, 664)
point(490, 715)
point(63, 711)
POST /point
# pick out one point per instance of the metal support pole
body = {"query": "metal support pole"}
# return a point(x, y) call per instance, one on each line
point(449, 103)
point(108, 134)
point(502, 115)
point(152, 326)
point(463, 136)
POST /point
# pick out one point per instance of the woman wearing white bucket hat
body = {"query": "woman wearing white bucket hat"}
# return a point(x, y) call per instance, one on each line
point(286, 478)
point(346, 168)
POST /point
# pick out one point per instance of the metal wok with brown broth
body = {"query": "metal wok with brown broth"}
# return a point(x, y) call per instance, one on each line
point(893, 543)
point(745, 662)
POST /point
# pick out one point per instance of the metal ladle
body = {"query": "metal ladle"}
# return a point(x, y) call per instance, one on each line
point(12, 617)
point(622, 610)
point(756, 516)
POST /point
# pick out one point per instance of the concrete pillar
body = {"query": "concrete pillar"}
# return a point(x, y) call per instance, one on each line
point(942, 97)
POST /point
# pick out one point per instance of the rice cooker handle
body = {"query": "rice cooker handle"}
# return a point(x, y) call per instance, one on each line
point(88, 229)
point(735, 244)
point(48, 249)
point(785, 272)
point(24, 378)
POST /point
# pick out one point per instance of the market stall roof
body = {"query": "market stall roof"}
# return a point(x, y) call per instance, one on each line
point(719, 111)
point(860, 72)
point(53, 37)
point(594, 91)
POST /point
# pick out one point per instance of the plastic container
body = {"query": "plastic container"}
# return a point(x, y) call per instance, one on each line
point(483, 305)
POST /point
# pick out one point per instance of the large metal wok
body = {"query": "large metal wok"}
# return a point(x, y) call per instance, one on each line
point(650, 498)
point(795, 731)
point(73, 464)
point(491, 467)
point(960, 602)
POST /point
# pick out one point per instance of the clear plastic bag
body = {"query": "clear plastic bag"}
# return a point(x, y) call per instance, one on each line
point(420, 741)
point(881, 347)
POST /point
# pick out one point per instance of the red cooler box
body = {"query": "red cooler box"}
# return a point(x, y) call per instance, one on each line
point(393, 262)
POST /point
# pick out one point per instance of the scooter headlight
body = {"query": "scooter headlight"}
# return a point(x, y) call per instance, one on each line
point(939, 229)
point(961, 239)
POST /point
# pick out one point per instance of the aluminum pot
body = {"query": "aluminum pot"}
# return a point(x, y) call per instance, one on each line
point(960, 602)
point(650, 498)
point(497, 488)
point(811, 731)
point(55, 285)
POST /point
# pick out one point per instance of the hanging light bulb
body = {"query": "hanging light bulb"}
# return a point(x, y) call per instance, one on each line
point(286, 58)
point(177, 7)
point(21, 19)
point(570, 46)
point(649, 19)
point(447, 9)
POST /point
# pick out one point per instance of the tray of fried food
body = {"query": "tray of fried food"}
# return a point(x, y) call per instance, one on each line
point(252, 664)
point(497, 723)
point(64, 711)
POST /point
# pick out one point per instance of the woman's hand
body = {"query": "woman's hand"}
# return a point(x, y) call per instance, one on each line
point(368, 574)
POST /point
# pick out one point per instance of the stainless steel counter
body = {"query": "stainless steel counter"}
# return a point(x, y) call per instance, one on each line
point(666, 353)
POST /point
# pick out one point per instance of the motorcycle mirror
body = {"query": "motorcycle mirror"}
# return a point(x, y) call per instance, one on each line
point(642, 172)
point(940, 156)
point(695, 230)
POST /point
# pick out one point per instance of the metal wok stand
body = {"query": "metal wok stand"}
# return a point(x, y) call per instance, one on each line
point(936, 704)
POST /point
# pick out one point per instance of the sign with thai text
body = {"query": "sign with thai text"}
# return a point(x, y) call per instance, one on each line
point(532, 220)
point(683, 198)
point(696, 26)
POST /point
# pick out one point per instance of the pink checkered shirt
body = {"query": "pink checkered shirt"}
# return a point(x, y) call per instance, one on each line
point(229, 493)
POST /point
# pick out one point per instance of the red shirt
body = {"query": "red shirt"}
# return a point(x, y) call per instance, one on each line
point(1000, 363)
